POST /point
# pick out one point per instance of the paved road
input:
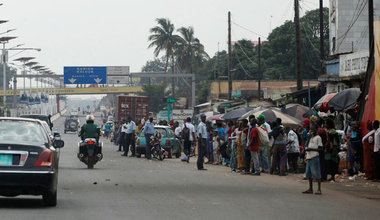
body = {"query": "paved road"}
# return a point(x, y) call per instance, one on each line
point(131, 188)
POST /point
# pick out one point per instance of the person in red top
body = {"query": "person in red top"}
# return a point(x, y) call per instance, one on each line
point(253, 146)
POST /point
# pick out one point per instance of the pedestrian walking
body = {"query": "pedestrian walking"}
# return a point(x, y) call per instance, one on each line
point(118, 139)
point(188, 137)
point(263, 150)
point(242, 144)
point(293, 149)
point(247, 153)
point(253, 146)
point(148, 132)
point(130, 137)
point(202, 136)
point(123, 135)
point(215, 147)
point(279, 148)
point(313, 169)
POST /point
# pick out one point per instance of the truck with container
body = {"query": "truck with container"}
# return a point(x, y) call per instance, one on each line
point(135, 106)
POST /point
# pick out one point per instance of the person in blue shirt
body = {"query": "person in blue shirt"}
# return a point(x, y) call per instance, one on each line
point(148, 132)
point(107, 128)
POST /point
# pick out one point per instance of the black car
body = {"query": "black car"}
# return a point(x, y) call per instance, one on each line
point(71, 124)
point(45, 118)
point(28, 160)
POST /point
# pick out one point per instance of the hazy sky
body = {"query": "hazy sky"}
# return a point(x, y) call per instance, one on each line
point(115, 32)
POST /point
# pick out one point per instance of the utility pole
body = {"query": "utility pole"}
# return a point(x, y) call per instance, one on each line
point(321, 40)
point(370, 25)
point(229, 58)
point(259, 71)
point(298, 45)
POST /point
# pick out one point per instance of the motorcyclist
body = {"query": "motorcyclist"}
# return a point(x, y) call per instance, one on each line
point(89, 130)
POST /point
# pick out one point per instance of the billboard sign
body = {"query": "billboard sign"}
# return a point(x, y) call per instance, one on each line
point(85, 75)
point(181, 114)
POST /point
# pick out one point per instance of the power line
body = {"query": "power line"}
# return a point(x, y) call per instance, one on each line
point(253, 32)
point(241, 65)
point(237, 43)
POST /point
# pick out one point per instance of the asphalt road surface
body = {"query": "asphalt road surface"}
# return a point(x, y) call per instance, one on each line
point(132, 188)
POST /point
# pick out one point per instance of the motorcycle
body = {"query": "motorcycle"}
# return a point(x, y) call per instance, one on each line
point(157, 150)
point(90, 152)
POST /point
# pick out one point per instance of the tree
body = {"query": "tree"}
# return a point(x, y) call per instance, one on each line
point(163, 39)
point(156, 94)
point(190, 51)
point(156, 65)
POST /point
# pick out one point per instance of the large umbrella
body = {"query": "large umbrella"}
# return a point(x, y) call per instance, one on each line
point(321, 104)
point(345, 100)
point(235, 114)
point(272, 114)
point(298, 111)
point(246, 115)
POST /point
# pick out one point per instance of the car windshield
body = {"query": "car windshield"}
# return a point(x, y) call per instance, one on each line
point(22, 132)
point(161, 130)
point(39, 117)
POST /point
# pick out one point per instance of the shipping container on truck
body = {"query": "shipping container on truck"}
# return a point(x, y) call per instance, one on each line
point(135, 106)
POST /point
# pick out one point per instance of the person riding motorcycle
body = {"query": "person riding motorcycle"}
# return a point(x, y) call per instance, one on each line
point(89, 130)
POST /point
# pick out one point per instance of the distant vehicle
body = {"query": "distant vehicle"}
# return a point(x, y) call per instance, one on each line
point(71, 124)
point(28, 160)
point(45, 118)
point(168, 141)
point(135, 106)
point(74, 113)
point(110, 119)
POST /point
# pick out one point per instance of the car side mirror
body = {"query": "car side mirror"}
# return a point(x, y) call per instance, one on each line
point(56, 134)
point(58, 143)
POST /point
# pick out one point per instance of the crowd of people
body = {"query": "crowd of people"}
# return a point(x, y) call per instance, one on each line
point(254, 146)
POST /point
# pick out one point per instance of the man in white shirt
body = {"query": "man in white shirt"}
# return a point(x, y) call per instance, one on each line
point(130, 132)
point(293, 149)
point(313, 169)
point(202, 136)
point(188, 136)
point(376, 148)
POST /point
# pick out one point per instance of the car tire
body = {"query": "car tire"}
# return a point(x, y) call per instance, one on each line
point(170, 153)
point(178, 154)
point(138, 155)
point(50, 198)
point(64, 132)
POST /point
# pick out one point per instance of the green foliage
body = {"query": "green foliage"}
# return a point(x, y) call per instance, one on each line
point(203, 89)
point(163, 39)
point(277, 54)
point(156, 93)
point(9, 76)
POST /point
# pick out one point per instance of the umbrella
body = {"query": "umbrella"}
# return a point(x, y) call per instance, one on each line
point(298, 111)
point(345, 100)
point(246, 115)
point(321, 104)
point(235, 114)
point(272, 114)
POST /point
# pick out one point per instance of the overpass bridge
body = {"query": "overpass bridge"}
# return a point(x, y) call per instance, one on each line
point(78, 91)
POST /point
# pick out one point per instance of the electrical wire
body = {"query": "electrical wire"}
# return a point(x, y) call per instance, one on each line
point(253, 32)
point(244, 70)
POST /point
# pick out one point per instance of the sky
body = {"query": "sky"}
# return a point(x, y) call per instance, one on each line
point(115, 32)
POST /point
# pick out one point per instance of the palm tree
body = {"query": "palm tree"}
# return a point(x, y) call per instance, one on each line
point(190, 50)
point(163, 39)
